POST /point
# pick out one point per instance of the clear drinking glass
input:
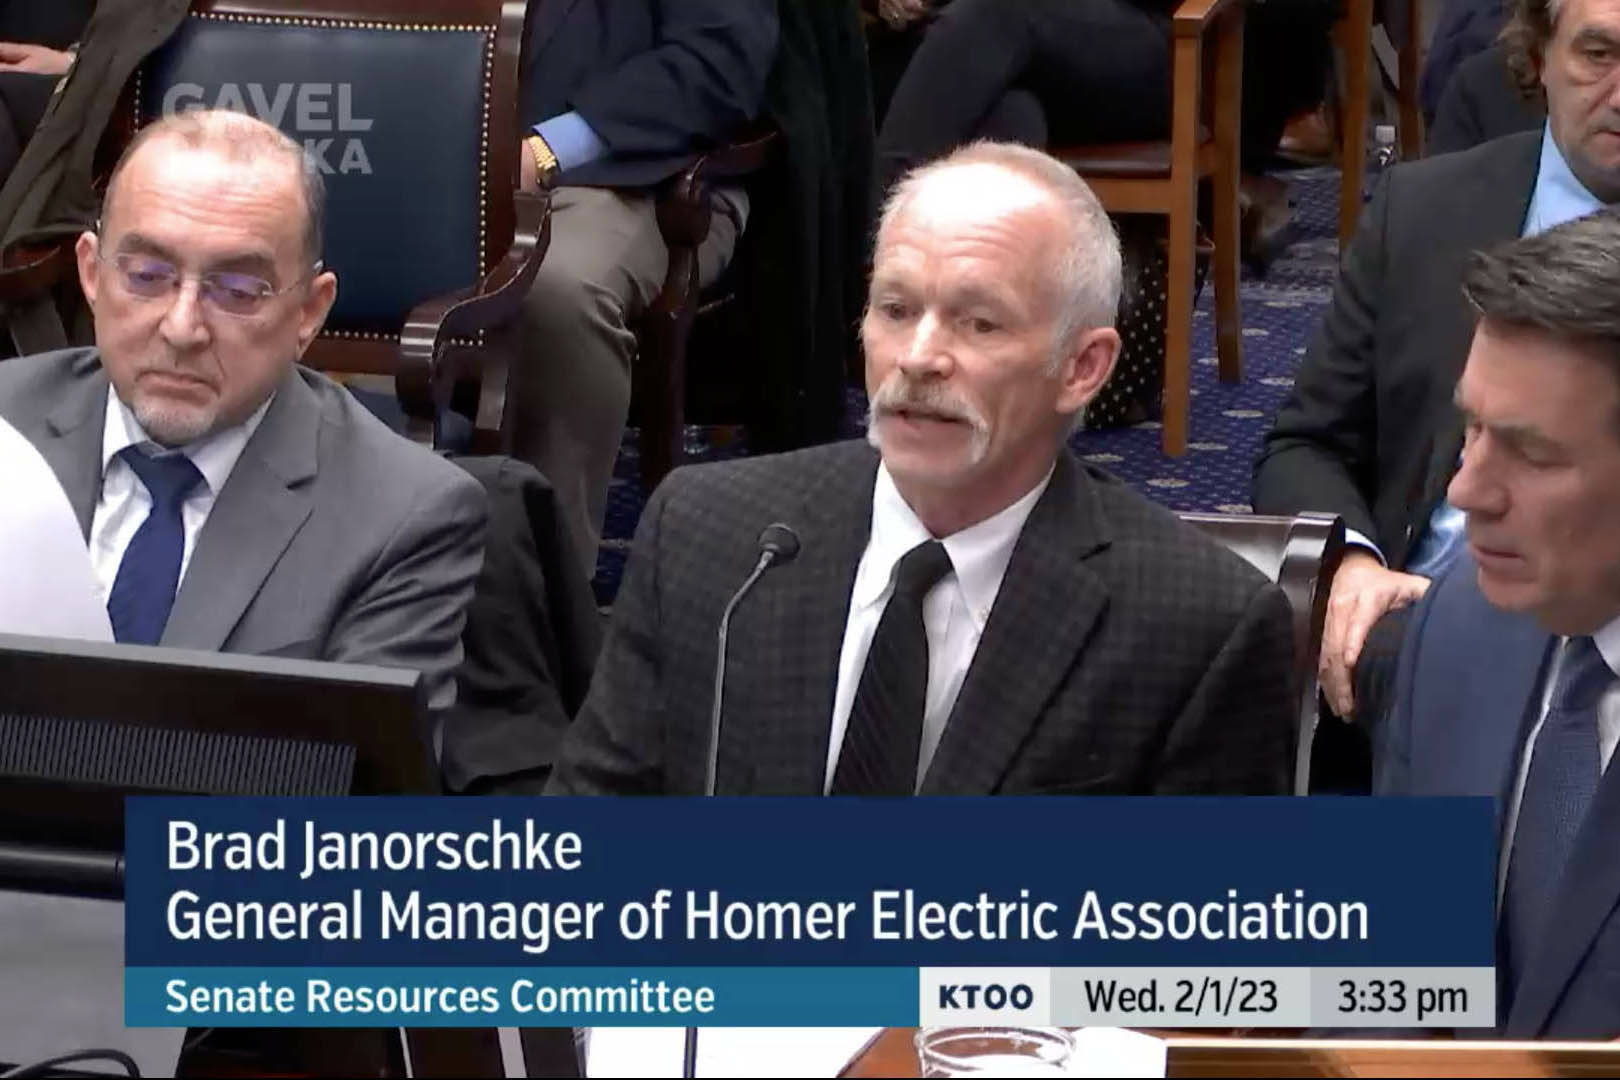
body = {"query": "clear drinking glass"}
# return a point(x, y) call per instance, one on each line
point(994, 1051)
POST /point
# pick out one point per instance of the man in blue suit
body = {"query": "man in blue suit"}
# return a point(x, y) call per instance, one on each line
point(617, 96)
point(1507, 684)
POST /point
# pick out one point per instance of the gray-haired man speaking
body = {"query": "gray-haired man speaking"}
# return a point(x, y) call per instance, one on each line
point(971, 610)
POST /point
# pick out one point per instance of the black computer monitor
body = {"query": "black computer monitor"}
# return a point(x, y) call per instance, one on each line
point(83, 724)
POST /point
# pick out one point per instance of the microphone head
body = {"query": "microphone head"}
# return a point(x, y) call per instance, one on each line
point(780, 541)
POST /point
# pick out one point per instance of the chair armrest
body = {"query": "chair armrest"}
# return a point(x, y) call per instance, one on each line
point(424, 386)
point(29, 271)
point(747, 154)
point(683, 200)
point(1193, 17)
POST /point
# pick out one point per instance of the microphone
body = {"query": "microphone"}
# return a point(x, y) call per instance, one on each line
point(778, 545)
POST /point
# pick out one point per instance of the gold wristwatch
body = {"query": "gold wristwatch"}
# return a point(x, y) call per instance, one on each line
point(545, 162)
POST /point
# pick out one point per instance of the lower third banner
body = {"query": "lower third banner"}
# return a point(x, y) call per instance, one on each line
point(770, 912)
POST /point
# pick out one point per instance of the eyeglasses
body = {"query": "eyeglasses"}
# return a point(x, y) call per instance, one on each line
point(242, 295)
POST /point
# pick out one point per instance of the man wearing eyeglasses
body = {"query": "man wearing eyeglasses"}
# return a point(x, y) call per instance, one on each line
point(231, 499)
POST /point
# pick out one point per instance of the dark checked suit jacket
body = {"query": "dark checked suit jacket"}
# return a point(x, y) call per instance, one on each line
point(1125, 653)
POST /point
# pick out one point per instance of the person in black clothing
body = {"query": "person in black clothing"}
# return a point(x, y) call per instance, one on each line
point(1030, 71)
point(1044, 72)
point(35, 51)
point(1483, 101)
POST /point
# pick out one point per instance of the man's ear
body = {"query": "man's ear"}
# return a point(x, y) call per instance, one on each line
point(317, 304)
point(1086, 364)
point(86, 251)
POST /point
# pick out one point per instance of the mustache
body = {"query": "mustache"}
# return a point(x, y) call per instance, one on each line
point(899, 393)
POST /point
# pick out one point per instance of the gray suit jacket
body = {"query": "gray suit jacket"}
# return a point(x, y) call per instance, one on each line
point(333, 539)
point(1125, 653)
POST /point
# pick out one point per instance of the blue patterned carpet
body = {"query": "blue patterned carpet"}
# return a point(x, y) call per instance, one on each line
point(1279, 313)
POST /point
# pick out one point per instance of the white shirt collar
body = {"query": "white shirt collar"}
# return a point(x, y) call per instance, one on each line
point(979, 553)
point(1607, 640)
point(215, 455)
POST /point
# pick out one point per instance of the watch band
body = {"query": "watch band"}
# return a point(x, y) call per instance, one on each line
point(545, 161)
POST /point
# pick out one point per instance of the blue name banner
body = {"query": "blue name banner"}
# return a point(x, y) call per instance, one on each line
point(519, 997)
point(526, 884)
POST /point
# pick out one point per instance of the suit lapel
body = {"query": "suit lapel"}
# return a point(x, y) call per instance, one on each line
point(265, 502)
point(545, 18)
point(1500, 199)
point(798, 630)
point(1588, 893)
point(1506, 670)
point(1590, 890)
point(1043, 613)
point(72, 438)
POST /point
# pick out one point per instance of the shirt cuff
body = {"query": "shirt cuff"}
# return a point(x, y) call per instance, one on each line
point(574, 141)
point(1354, 538)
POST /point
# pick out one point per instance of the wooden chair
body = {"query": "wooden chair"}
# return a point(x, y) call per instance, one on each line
point(1301, 554)
point(433, 246)
point(685, 209)
point(1353, 36)
point(1162, 178)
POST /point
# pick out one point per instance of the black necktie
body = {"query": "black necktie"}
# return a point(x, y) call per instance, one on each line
point(1558, 789)
point(143, 592)
point(884, 736)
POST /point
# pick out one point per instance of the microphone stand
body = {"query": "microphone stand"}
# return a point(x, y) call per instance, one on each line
point(778, 544)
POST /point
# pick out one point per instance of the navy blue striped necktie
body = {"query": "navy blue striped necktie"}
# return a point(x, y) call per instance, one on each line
point(1558, 790)
point(884, 737)
point(143, 592)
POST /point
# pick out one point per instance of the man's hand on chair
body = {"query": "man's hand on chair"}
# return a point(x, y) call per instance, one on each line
point(1363, 591)
point(34, 59)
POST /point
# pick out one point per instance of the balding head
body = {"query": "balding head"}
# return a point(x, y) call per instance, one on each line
point(240, 140)
point(202, 274)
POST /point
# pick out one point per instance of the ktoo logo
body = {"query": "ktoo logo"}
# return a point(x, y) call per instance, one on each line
point(985, 995)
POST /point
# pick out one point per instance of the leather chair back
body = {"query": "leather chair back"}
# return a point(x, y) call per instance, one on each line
point(1301, 555)
point(400, 153)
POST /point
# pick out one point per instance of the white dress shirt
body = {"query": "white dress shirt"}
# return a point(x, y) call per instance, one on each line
point(954, 611)
point(124, 502)
point(1607, 641)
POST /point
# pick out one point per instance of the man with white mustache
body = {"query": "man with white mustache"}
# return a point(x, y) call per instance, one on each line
point(970, 609)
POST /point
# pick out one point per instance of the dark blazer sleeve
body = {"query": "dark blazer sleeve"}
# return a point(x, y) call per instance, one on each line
point(1320, 453)
point(1235, 735)
point(411, 613)
point(701, 83)
point(614, 746)
point(531, 640)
